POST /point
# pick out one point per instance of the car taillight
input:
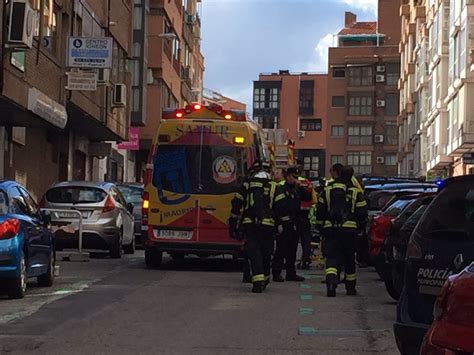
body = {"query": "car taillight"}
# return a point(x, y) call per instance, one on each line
point(442, 301)
point(413, 249)
point(9, 228)
point(145, 208)
point(109, 205)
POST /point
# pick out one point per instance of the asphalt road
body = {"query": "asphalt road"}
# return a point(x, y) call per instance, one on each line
point(195, 306)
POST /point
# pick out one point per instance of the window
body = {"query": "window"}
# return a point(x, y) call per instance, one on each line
point(267, 122)
point(360, 135)
point(392, 104)
point(360, 161)
point(50, 24)
point(361, 76)
point(176, 49)
point(338, 101)
point(137, 18)
point(30, 203)
point(391, 159)
point(311, 163)
point(393, 73)
point(338, 72)
point(266, 98)
point(337, 159)
point(306, 97)
point(360, 105)
point(391, 133)
point(337, 131)
point(310, 124)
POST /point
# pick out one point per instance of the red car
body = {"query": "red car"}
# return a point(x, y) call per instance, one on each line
point(452, 331)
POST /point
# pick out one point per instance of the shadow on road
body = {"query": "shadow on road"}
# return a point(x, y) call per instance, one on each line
point(214, 264)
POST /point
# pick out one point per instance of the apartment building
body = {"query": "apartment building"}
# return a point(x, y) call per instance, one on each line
point(214, 97)
point(296, 102)
point(363, 96)
point(49, 133)
point(175, 64)
point(436, 120)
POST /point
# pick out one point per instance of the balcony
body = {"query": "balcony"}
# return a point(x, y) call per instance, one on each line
point(420, 12)
point(463, 144)
point(440, 162)
point(405, 10)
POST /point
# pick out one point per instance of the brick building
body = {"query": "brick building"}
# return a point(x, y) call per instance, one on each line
point(296, 103)
point(48, 133)
point(214, 97)
point(363, 97)
point(175, 63)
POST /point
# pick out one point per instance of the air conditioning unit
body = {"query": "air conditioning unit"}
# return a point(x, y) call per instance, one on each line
point(380, 68)
point(380, 78)
point(301, 134)
point(119, 98)
point(380, 160)
point(380, 103)
point(21, 24)
point(378, 138)
point(103, 76)
point(190, 19)
point(47, 42)
point(186, 73)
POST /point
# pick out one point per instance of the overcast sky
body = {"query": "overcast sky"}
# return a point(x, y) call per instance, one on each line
point(242, 38)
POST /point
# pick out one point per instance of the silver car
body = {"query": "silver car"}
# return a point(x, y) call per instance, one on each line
point(108, 222)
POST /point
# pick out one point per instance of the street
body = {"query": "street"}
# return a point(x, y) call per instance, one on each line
point(193, 306)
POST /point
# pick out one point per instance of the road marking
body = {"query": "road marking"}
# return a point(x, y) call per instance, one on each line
point(306, 297)
point(306, 311)
point(305, 286)
point(305, 331)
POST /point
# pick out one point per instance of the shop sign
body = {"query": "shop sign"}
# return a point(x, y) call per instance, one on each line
point(133, 142)
point(89, 52)
point(46, 108)
point(81, 81)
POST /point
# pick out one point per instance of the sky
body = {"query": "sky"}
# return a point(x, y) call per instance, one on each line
point(242, 38)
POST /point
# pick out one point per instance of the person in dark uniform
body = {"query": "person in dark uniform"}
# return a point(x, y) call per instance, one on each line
point(288, 208)
point(253, 205)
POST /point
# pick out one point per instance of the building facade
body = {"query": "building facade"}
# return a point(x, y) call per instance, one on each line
point(214, 97)
point(175, 65)
point(436, 121)
point(47, 132)
point(363, 96)
point(296, 102)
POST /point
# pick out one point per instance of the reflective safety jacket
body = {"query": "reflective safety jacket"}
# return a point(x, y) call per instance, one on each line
point(312, 215)
point(358, 207)
point(253, 204)
point(357, 184)
point(288, 203)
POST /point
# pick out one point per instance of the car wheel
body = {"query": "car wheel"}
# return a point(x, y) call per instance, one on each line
point(130, 249)
point(153, 258)
point(17, 286)
point(116, 249)
point(392, 291)
point(47, 279)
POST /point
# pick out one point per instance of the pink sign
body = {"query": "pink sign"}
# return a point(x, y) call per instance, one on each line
point(133, 140)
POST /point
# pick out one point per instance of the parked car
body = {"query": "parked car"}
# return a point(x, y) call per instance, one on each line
point(442, 242)
point(394, 244)
point(452, 331)
point(26, 243)
point(133, 194)
point(108, 223)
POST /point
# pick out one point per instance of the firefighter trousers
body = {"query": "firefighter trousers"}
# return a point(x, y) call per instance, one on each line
point(304, 231)
point(259, 251)
point(339, 248)
point(286, 248)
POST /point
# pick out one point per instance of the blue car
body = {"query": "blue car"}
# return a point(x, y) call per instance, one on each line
point(26, 244)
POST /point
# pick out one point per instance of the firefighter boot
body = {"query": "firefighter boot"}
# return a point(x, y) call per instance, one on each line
point(247, 278)
point(294, 277)
point(278, 278)
point(258, 286)
point(331, 284)
point(351, 288)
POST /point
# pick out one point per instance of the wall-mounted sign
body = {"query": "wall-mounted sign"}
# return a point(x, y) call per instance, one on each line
point(89, 52)
point(81, 81)
point(133, 142)
point(46, 108)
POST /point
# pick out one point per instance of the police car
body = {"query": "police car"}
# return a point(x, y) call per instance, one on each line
point(441, 245)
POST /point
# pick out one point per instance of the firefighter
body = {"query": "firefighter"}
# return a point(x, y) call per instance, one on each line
point(253, 205)
point(304, 226)
point(288, 208)
point(340, 211)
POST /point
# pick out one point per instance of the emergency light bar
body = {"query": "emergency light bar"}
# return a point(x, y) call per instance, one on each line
point(197, 110)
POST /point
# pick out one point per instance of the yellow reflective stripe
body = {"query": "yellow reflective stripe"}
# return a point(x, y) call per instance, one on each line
point(272, 194)
point(285, 218)
point(256, 184)
point(279, 197)
point(246, 184)
point(351, 277)
point(320, 223)
point(349, 224)
point(331, 271)
point(327, 224)
point(268, 222)
point(328, 197)
point(354, 200)
point(239, 196)
point(361, 204)
point(321, 200)
point(247, 221)
point(339, 186)
point(233, 215)
point(259, 277)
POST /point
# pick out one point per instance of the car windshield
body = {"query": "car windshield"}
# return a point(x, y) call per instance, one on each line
point(397, 207)
point(194, 169)
point(132, 194)
point(3, 203)
point(379, 199)
point(451, 213)
point(75, 194)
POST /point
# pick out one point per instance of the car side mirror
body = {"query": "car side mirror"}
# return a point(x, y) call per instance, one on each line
point(46, 217)
point(130, 207)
